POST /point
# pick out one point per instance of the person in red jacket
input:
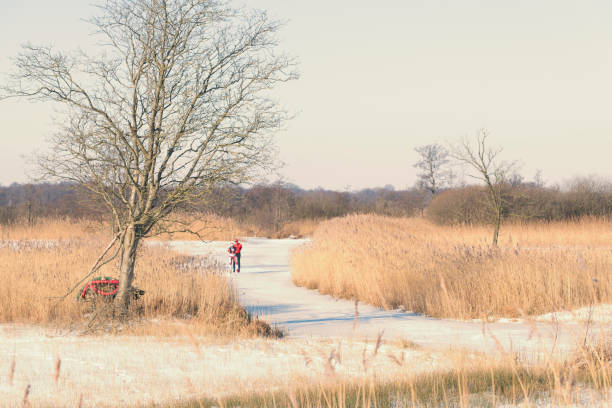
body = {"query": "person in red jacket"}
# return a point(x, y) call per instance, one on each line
point(237, 249)
point(232, 252)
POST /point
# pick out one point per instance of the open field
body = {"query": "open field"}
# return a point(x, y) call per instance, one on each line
point(191, 344)
point(58, 369)
point(453, 272)
point(265, 288)
point(134, 371)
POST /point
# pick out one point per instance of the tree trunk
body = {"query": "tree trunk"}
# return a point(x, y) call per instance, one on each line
point(498, 221)
point(129, 245)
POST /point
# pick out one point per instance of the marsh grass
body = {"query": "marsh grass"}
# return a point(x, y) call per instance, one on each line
point(453, 271)
point(54, 229)
point(216, 228)
point(41, 264)
point(581, 377)
point(489, 385)
point(190, 227)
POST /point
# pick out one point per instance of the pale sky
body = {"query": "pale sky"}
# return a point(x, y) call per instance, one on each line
point(381, 78)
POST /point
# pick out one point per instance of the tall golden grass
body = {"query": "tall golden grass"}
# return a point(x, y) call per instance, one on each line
point(470, 380)
point(188, 227)
point(297, 229)
point(55, 228)
point(38, 265)
point(453, 272)
point(216, 228)
point(207, 226)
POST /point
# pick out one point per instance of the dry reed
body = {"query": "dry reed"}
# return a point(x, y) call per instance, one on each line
point(471, 380)
point(216, 228)
point(297, 229)
point(188, 227)
point(453, 272)
point(38, 265)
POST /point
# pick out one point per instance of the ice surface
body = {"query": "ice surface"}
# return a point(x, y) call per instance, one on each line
point(266, 289)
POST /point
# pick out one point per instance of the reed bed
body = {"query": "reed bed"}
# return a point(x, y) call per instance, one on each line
point(54, 229)
point(297, 229)
point(189, 227)
point(452, 271)
point(583, 379)
point(40, 266)
point(182, 227)
point(216, 228)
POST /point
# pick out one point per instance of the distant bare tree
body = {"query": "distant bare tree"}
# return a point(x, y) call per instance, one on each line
point(486, 166)
point(538, 180)
point(176, 103)
point(515, 179)
point(432, 163)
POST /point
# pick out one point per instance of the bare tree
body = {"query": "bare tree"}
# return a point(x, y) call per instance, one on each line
point(176, 102)
point(433, 175)
point(487, 167)
point(538, 180)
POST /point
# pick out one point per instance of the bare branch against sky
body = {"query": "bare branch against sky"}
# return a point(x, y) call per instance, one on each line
point(177, 103)
point(485, 165)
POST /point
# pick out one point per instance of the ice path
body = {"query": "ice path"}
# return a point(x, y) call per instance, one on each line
point(266, 289)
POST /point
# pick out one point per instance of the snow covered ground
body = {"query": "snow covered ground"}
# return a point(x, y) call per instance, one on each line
point(326, 339)
point(266, 289)
point(596, 314)
point(110, 371)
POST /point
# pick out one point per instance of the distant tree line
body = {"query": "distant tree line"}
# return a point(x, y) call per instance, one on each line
point(267, 205)
point(273, 205)
point(25, 203)
point(524, 201)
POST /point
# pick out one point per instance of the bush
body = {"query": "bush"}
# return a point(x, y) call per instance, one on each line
point(460, 206)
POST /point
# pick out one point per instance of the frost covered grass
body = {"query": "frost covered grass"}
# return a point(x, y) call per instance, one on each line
point(135, 371)
point(471, 381)
point(40, 265)
point(454, 272)
point(60, 369)
point(451, 389)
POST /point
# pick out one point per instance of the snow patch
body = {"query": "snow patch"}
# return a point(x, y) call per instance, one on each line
point(113, 371)
point(596, 314)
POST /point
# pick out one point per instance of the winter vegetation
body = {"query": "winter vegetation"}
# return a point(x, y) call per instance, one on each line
point(471, 382)
point(189, 344)
point(165, 133)
point(176, 372)
point(271, 209)
point(419, 250)
point(45, 266)
point(453, 271)
point(172, 102)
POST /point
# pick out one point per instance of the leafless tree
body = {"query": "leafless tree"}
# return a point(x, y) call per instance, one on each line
point(538, 180)
point(486, 166)
point(176, 102)
point(432, 164)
